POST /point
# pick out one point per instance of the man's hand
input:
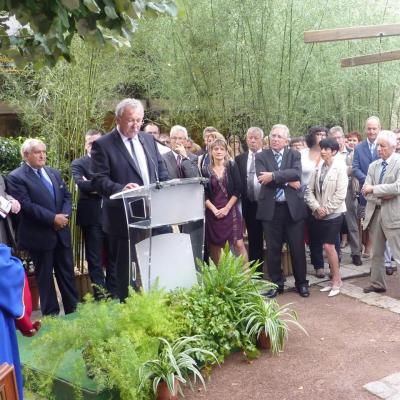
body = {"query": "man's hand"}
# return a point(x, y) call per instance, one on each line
point(367, 189)
point(265, 178)
point(180, 149)
point(130, 186)
point(387, 197)
point(60, 221)
point(15, 206)
point(295, 185)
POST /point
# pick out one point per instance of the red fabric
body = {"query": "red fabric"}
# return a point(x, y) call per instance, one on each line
point(24, 324)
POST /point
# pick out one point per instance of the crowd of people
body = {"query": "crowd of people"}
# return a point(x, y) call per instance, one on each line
point(313, 192)
point(320, 191)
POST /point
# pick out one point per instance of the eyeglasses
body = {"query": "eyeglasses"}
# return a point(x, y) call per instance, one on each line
point(152, 132)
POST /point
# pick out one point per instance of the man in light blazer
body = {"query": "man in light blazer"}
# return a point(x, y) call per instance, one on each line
point(382, 216)
point(281, 209)
point(180, 164)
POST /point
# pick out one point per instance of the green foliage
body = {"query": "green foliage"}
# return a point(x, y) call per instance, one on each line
point(10, 157)
point(269, 316)
point(254, 69)
point(212, 308)
point(175, 363)
point(49, 27)
point(162, 336)
point(115, 339)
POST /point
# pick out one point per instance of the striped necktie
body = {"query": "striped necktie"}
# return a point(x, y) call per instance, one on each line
point(279, 194)
point(383, 170)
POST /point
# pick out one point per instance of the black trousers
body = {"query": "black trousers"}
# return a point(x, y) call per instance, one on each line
point(60, 259)
point(282, 229)
point(95, 240)
point(255, 233)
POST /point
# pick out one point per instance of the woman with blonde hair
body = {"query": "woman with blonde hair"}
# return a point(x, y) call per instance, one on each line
point(223, 219)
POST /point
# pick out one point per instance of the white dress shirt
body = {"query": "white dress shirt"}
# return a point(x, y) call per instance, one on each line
point(140, 155)
point(257, 185)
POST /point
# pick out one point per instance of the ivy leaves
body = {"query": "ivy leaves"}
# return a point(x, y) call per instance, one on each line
point(41, 32)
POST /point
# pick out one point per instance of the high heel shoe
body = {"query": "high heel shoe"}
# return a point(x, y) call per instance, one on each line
point(335, 291)
point(326, 289)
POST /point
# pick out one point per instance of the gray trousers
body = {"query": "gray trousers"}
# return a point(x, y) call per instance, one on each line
point(380, 235)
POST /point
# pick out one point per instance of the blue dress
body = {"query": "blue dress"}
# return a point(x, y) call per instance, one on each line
point(12, 277)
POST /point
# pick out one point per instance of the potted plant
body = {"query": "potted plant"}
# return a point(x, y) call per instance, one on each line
point(269, 322)
point(174, 366)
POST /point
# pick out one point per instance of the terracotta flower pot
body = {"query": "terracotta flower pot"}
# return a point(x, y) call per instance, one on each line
point(263, 341)
point(163, 392)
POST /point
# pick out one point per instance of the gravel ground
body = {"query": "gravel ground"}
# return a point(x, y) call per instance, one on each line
point(350, 344)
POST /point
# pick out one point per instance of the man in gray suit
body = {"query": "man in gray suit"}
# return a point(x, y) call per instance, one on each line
point(180, 164)
point(382, 217)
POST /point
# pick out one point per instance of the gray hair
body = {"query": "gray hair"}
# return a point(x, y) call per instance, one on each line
point(373, 118)
point(282, 127)
point(255, 129)
point(29, 145)
point(335, 129)
point(388, 136)
point(133, 103)
point(178, 128)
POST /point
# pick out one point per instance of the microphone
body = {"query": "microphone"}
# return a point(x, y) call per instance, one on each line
point(158, 183)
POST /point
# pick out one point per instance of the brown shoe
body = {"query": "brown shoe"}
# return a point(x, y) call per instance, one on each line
point(319, 273)
point(371, 289)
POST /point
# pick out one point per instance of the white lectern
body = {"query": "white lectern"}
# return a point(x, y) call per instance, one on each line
point(169, 258)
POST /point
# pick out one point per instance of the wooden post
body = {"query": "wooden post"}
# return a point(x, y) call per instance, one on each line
point(359, 32)
point(371, 58)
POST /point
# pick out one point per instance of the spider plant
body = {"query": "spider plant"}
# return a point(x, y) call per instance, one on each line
point(176, 363)
point(270, 317)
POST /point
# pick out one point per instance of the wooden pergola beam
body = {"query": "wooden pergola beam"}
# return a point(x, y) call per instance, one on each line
point(371, 58)
point(359, 32)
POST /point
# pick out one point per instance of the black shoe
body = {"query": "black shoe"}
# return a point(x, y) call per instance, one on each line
point(389, 270)
point(303, 290)
point(356, 260)
point(274, 292)
point(371, 289)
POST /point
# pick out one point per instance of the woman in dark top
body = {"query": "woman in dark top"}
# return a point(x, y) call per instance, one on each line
point(223, 218)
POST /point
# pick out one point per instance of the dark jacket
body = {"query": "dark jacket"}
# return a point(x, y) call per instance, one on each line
point(38, 209)
point(290, 171)
point(89, 201)
point(113, 168)
point(189, 166)
point(233, 181)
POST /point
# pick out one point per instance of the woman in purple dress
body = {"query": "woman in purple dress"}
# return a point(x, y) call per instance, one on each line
point(223, 218)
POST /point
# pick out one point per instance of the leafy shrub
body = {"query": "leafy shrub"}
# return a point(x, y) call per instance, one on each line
point(10, 157)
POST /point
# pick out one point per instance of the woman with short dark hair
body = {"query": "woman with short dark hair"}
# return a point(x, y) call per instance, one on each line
point(325, 196)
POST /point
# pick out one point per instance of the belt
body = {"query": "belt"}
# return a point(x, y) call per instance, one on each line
point(280, 203)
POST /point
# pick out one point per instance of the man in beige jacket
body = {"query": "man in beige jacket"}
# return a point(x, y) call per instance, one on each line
point(382, 216)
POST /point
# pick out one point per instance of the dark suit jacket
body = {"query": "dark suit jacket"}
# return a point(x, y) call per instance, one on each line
point(189, 166)
point(361, 160)
point(241, 161)
point(38, 209)
point(113, 168)
point(89, 201)
point(290, 171)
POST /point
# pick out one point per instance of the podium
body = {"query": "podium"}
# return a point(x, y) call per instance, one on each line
point(162, 254)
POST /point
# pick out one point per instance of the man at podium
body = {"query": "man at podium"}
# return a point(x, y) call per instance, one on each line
point(124, 159)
